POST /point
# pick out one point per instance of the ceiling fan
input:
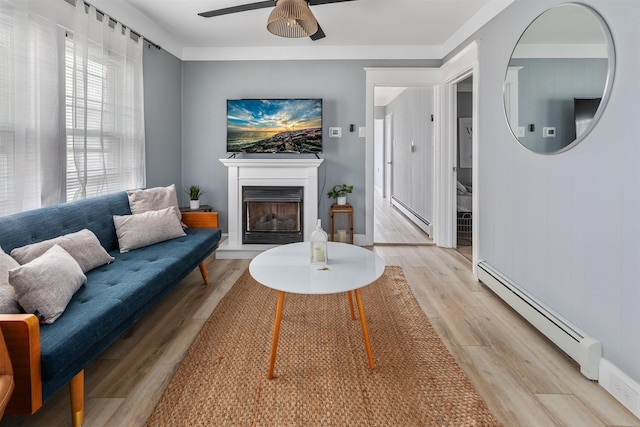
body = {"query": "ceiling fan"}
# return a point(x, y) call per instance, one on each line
point(285, 24)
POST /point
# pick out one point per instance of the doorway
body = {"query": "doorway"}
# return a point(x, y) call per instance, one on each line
point(464, 167)
point(461, 65)
point(394, 222)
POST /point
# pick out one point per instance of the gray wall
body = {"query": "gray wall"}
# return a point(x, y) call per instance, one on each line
point(565, 226)
point(546, 88)
point(163, 119)
point(341, 84)
point(413, 170)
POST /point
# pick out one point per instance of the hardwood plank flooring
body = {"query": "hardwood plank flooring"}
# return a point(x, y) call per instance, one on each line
point(525, 379)
point(391, 227)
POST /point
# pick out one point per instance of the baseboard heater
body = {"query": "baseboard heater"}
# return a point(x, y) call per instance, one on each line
point(417, 219)
point(585, 350)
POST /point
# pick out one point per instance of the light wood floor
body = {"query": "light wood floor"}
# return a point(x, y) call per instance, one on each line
point(391, 227)
point(523, 378)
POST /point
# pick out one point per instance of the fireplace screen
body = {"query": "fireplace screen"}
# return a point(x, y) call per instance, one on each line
point(272, 215)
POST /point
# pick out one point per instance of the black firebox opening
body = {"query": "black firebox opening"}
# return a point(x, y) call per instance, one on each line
point(272, 215)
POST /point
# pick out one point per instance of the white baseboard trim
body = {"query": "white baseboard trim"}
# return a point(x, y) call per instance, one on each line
point(359, 240)
point(425, 226)
point(620, 386)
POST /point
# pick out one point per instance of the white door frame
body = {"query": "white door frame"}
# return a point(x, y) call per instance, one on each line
point(397, 77)
point(461, 66)
point(443, 79)
point(387, 187)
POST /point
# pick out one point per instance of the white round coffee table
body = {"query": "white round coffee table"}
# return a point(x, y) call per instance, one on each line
point(287, 269)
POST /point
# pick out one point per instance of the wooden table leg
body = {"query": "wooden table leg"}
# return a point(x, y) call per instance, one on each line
point(365, 332)
point(276, 333)
point(353, 314)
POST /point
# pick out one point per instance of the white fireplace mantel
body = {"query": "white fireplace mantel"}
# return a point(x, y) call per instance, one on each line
point(270, 172)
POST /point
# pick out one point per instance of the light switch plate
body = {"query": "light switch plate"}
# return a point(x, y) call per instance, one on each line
point(362, 131)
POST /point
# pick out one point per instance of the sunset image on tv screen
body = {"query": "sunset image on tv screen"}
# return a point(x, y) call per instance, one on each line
point(274, 125)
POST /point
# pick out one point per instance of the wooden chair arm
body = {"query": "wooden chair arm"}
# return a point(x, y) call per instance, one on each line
point(200, 219)
point(6, 375)
point(22, 336)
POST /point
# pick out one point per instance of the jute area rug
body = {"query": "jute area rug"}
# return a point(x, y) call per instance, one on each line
point(322, 377)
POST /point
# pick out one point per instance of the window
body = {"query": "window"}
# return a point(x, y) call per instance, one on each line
point(71, 111)
point(102, 153)
point(6, 113)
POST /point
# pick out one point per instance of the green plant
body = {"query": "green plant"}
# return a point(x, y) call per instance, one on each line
point(194, 192)
point(339, 190)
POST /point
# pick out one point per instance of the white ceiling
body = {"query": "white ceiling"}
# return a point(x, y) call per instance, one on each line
point(361, 29)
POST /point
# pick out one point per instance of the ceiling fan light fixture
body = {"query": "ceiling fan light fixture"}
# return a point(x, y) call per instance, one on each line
point(292, 18)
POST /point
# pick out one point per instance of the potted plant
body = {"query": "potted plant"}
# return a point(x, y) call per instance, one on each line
point(194, 192)
point(339, 192)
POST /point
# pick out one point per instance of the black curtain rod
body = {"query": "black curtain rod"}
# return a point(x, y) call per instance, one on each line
point(157, 46)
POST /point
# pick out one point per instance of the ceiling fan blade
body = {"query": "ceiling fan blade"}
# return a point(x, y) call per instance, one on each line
point(318, 34)
point(241, 8)
point(317, 2)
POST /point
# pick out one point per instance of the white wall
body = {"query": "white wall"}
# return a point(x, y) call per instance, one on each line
point(565, 226)
point(413, 168)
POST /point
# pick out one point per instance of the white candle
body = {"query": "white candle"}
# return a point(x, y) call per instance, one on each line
point(318, 254)
point(342, 236)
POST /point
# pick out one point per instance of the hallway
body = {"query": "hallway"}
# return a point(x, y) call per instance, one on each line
point(391, 227)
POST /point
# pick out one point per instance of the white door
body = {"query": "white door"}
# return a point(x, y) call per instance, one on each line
point(388, 156)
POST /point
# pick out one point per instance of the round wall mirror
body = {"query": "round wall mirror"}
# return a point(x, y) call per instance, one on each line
point(558, 79)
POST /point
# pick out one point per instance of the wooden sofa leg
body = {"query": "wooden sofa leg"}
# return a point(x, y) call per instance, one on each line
point(203, 271)
point(76, 387)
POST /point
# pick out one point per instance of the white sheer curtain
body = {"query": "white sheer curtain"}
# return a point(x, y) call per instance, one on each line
point(104, 104)
point(71, 108)
point(29, 105)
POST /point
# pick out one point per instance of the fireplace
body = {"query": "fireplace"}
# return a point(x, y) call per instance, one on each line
point(267, 172)
point(272, 214)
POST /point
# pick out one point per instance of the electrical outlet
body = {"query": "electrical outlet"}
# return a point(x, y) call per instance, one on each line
point(623, 392)
point(549, 132)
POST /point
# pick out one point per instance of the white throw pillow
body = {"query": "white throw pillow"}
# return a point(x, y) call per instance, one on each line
point(144, 229)
point(8, 303)
point(83, 246)
point(153, 199)
point(45, 285)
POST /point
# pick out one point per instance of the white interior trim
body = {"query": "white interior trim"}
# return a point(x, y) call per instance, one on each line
point(398, 77)
point(620, 385)
point(302, 53)
point(443, 79)
point(458, 68)
point(270, 172)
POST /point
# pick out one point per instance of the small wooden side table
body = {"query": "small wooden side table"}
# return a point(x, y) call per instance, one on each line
point(199, 219)
point(341, 209)
point(202, 208)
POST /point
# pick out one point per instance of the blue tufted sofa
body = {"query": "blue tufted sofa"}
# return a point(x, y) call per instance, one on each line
point(116, 295)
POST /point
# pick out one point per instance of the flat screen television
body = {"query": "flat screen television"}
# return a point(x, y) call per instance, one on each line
point(584, 109)
point(274, 125)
